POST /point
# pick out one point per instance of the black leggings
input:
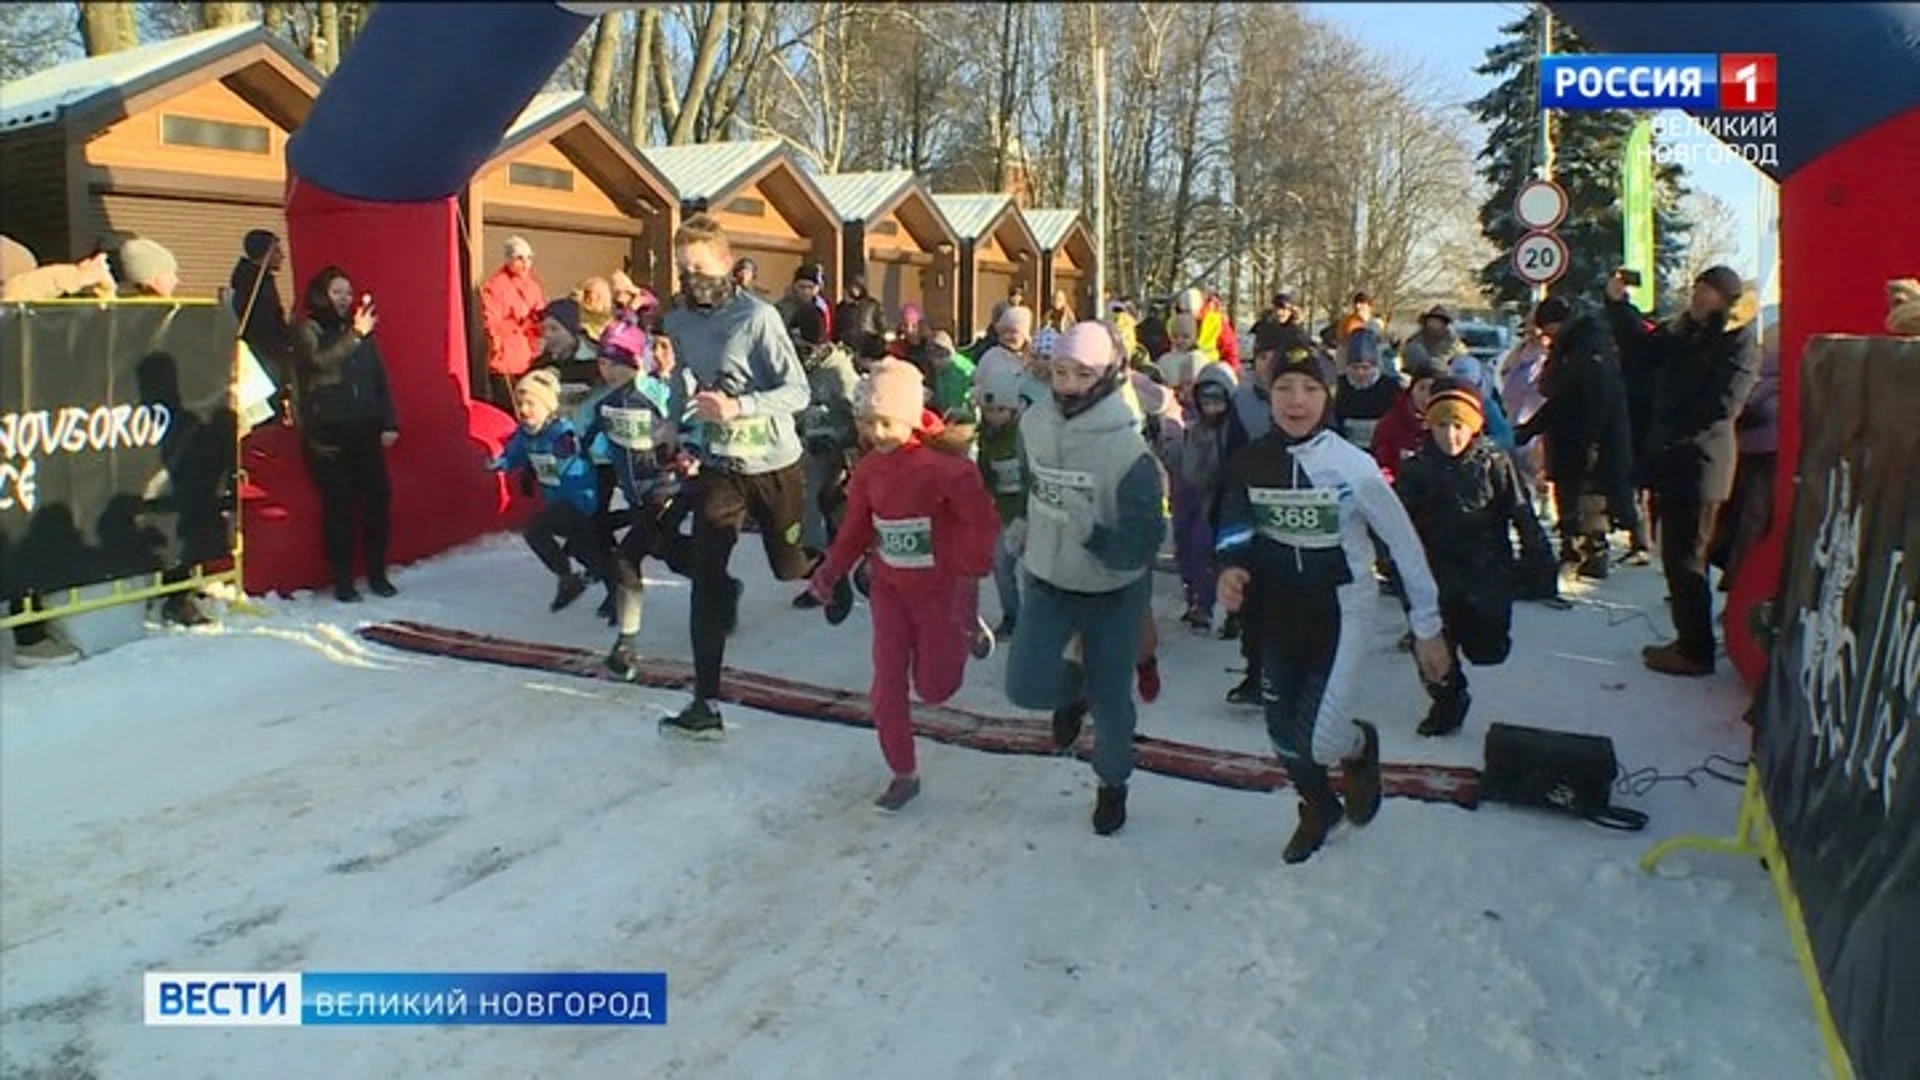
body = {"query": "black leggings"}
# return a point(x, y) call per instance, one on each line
point(349, 467)
point(775, 502)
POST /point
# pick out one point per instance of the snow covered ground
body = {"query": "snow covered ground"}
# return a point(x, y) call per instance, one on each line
point(280, 795)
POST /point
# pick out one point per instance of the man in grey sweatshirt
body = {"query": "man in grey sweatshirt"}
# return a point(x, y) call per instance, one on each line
point(746, 387)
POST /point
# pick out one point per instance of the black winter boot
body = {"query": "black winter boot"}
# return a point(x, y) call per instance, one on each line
point(1450, 704)
point(1316, 821)
point(1110, 809)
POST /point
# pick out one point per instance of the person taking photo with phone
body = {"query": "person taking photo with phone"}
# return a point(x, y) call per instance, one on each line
point(347, 421)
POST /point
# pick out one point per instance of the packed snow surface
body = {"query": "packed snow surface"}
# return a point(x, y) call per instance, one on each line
point(277, 794)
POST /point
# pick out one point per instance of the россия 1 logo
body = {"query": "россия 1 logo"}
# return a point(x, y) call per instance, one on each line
point(1726, 82)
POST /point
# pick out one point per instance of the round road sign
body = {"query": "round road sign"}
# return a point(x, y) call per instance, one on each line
point(1541, 204)
point(1540, 258)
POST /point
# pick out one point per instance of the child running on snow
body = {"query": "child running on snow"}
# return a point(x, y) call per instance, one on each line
point(926, 525)
point(1095, 519)
point(1197, 466)
point(1462, 492)
point(563, 533)
point(998, 392)
point(634, 428)
point(1294, 520)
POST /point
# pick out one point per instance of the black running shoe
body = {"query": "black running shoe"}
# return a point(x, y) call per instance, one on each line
point(700, 721)
point(567, 591)
point(1246, 693)
point(623, 661)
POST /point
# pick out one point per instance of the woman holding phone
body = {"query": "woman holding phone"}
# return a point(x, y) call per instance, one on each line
point(347, 422)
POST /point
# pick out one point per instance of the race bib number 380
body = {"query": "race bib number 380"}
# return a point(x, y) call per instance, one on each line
point(905, 543)
point(1301, 517)
point(746, 439)
point(1060, 493)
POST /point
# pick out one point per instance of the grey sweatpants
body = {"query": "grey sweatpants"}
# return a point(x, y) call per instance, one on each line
point(1109, 629)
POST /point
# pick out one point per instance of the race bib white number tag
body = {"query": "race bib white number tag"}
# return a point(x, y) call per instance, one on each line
point(1360, 433)
point(1007, 476)
point(631, 429)
point(1060, 494)
point(905, 543)
point(745, 439)
point(546, 468)
point(1301, 517)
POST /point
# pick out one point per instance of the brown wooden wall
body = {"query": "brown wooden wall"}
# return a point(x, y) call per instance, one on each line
point(33, 193)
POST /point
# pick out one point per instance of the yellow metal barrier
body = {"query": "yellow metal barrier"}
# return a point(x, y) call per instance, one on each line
point(1754, 835)
point(36, 610)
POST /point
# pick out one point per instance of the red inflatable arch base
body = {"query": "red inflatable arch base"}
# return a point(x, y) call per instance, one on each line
point(407, 256)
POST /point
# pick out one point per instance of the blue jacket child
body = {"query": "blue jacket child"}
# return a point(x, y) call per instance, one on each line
point(563, 532)
point(634, 427)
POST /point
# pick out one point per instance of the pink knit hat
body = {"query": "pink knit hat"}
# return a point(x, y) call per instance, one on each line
point(892, 389)
point(1089, 344)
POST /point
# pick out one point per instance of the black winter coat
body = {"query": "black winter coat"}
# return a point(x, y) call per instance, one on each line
point(1589, 436)
point(1705, 373)
point(339, 378)
point(1463, 509)
point(858, 324)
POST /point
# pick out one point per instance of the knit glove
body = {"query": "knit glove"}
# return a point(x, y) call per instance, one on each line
point(1014, 536)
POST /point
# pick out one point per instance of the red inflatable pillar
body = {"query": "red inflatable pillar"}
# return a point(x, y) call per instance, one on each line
point(406, 255)
point(1849, 223)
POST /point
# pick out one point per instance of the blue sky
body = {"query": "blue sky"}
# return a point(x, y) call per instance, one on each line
point(1449, 40)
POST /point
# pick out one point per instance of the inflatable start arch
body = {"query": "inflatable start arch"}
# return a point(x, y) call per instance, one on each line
point(429, 90)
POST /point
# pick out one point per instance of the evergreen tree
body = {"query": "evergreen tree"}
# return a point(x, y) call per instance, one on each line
point(1587, 149)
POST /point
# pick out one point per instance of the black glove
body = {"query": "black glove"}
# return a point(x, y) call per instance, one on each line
point(528, 485)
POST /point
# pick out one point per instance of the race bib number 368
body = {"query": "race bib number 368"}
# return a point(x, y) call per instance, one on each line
point(1301, 517)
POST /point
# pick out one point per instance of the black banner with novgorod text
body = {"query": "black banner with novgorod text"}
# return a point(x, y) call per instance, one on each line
point(117, 441)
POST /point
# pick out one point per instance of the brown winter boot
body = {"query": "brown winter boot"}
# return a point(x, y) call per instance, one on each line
point(1316, 821)
point(1363, 776)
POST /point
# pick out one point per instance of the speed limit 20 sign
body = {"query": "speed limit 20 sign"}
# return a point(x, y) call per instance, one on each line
point(1540, 258)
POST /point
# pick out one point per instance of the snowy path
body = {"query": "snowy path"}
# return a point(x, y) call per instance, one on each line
point(283, 796)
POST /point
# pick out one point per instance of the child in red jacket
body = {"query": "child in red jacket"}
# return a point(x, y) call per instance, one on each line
point(927, 527)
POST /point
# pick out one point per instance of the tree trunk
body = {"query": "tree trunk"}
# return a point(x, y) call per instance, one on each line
point(279, 19)
point(668, 93)
point(107, 27)
point(700, 79)
point(639, 123)
point(324, 49)
point(606, 38)
point(225, 14)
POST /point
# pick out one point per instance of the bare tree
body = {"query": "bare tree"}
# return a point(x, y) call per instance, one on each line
point(34, 36)
point(639, 119)
point(606, 40)
point(225, 14)
point(324, 47)
point(1713, 239)
point(107, 27)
